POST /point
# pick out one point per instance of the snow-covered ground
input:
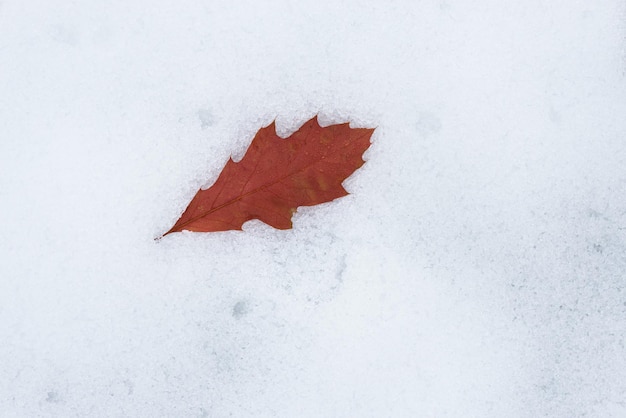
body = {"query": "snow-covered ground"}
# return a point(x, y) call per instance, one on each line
point(478, 269)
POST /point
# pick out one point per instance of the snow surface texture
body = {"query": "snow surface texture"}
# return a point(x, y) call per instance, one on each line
point(476, 270)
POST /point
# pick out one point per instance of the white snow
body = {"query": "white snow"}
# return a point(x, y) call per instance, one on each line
point(478, 269)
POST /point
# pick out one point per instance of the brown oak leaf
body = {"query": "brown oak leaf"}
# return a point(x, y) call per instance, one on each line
point(277, 175)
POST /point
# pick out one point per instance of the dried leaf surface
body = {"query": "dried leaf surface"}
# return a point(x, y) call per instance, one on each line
point(277, 175)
